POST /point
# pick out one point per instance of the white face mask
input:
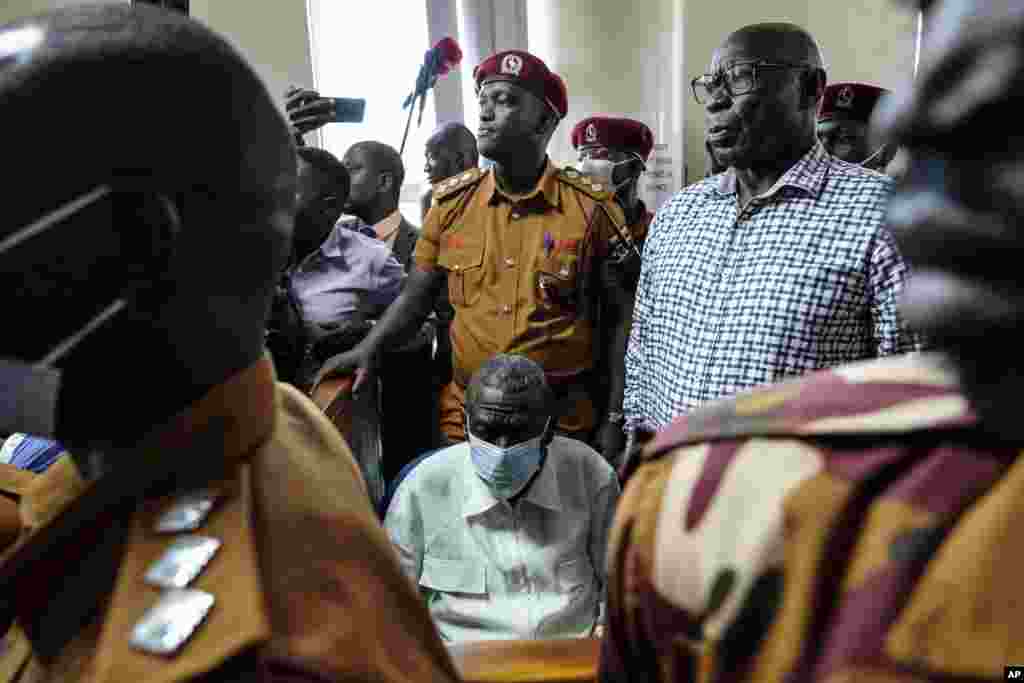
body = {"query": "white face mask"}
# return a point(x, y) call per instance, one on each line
point(506, 470)
point(603, 171)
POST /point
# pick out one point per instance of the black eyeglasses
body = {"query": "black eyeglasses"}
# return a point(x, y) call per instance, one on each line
point(738, 78)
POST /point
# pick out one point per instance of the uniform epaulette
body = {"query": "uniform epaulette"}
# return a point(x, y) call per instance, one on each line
point(893, 395)
point(447, 189)
point(585, 184)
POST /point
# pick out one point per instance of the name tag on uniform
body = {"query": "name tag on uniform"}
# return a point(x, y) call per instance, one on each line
point(187, 512)
point(182, 562)
point(168, 624)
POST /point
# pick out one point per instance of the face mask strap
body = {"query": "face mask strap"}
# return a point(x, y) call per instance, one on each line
point(877, 153)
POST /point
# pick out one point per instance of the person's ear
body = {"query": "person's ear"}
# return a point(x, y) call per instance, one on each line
point(636, 169)
point(814, 81)
point(386, 182)
point(546, 123)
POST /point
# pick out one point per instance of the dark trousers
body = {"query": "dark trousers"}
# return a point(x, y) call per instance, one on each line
point(409, 407)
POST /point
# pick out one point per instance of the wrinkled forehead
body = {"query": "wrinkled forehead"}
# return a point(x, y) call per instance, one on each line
point(771, 46)
point(358, 157)
point(498, 86)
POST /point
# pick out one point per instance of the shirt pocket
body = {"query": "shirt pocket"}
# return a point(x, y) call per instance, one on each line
point(556, 280)
point(460, 577)
point(462, 255)
point(572, 576)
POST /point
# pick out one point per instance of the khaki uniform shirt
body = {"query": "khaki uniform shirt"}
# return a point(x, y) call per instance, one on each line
point(521, 267)
point(856, 525)
point(306, 584)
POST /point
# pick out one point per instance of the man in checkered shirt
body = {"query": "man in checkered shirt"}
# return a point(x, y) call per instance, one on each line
point(780, 265)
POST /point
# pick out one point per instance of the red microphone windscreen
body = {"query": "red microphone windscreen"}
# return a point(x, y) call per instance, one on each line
point(450, 52)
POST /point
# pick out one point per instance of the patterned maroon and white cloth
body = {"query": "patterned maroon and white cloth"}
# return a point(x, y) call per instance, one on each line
point(857, 525)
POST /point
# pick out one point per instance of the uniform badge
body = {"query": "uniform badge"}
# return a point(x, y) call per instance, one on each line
point(168, 624)
point(549, 243)
point(187, 512)
point(512, 64)
point(591, 133)
point(182, 562)
point(845, 98)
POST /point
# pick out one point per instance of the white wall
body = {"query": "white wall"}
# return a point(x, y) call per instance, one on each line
point(16, 9)
point(273, 37)
point(620, 65)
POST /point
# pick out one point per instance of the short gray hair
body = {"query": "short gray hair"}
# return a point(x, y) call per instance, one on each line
point(513, 374)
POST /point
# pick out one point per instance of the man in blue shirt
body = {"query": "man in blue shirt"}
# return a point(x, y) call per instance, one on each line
point(335, 277)
point(349, 272)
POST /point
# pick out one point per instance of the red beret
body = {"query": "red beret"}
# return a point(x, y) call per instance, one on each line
point(849, 100)
point(529, 73)
point(610, 131)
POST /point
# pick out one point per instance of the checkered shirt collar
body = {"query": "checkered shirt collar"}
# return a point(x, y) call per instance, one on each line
point(807, 175)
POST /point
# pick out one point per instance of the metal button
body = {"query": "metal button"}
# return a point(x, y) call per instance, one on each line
point(510, 262)
point(168, 624)
point(515, 215)
point(507, 309)
point(455, 267)
point(182, 562)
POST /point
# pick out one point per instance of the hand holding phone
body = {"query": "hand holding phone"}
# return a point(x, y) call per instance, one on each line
point(308, 111)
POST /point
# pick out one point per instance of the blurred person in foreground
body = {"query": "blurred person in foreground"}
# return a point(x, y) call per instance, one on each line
point(209, 523)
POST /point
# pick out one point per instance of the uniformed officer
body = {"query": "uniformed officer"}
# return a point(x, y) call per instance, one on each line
point(843, 116)
point(615, 150)
point(449, 151)
point(210, 524)
point(521, 245)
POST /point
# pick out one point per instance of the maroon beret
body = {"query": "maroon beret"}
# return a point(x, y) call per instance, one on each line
point(849, 100)
point(611, 131)
point(529, 73)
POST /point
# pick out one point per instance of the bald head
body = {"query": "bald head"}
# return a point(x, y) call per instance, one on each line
point(778, 42)
point(450, 150)
point(508, 400)
point(377, 174)
point(766, 81)
point(457, 138)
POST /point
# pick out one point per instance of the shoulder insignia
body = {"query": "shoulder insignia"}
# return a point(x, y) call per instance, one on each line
point(886, 396)
point(450, 187)
point(589, 186)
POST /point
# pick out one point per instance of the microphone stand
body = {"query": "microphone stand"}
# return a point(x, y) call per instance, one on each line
point(424, 81)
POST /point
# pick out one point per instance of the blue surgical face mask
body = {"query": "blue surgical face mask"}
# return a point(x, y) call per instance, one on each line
point(506, 470)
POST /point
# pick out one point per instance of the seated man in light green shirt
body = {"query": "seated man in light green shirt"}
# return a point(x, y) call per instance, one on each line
point(505, 534)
